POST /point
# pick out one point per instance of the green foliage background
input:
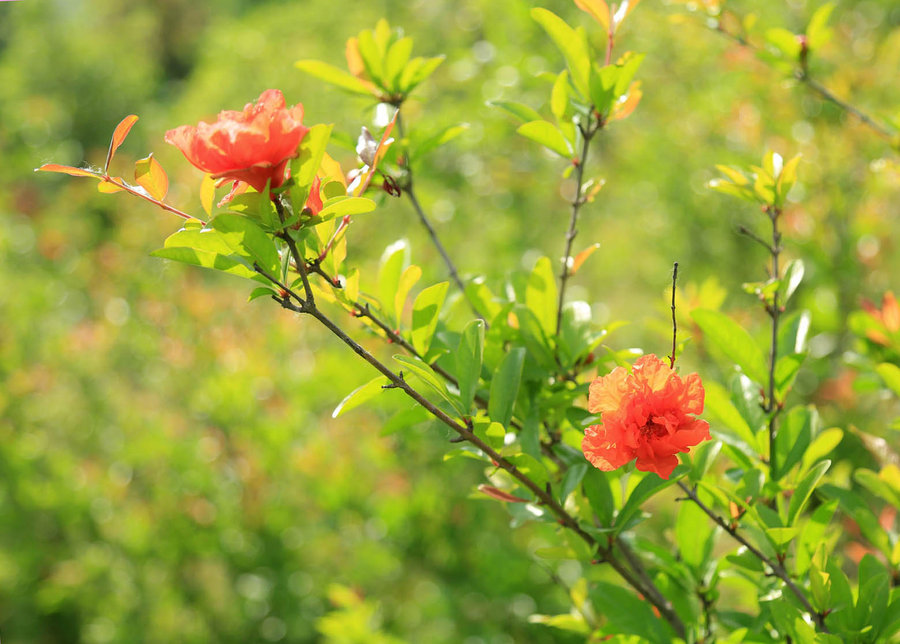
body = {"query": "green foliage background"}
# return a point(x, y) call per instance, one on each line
point(169, 467)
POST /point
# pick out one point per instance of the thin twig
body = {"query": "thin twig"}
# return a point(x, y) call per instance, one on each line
point(674, 323)
point(826, 94)
point(407, 188)
point(746, 232)
point(773, 406)
point(777, 569)
point(577, 202)
point(803, 76)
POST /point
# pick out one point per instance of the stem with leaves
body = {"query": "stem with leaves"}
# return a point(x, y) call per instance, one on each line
point(586, 135)
point(777, 569)
point(410, 192)
point(802, 75)
point(773, 407)
point(291, 300)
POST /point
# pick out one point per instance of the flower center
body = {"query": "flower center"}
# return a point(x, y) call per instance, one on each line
point(653, 430)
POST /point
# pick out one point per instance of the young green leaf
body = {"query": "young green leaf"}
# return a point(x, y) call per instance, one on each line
point(548, 135)
point(571, 43)
point(335, 76)
point(247, 239)
point(426, 310)
point(505, 386)
point(805, 489)
point(360, 395)
point(541, 295)
point(734, 341)
point(520, 111)
point(469, 355)
point(429, 378)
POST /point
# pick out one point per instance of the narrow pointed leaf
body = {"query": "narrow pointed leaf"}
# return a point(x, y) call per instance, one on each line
point(119, 134)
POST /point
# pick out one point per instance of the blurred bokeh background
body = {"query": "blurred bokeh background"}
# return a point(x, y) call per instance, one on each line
point(169, 467)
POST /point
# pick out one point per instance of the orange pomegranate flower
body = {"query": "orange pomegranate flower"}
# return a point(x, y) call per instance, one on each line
point(253, 146)
point(646, 414)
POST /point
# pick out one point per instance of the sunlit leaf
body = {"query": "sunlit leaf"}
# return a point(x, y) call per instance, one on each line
point(150, 175)
point(734, 341)
point(335, 76)
point(360, 395)
point(118, 137)
point(65, 169)
point(426, 310)
point(548, 135)
point(505, 386)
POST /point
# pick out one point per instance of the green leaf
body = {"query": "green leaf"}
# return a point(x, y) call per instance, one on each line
point(793, 437)
point(572, 480)
point(541, 295)
point(445, 135)
point(342, 206)
point(395, 62)
point(429, 378)
point(596, 488)
point(822, 445)
point(817, 33)
point(484, 301)
point(745, 395)
point(805, 489)
point(408, 279)
point(371, 56)
point(334, 75)
point(247, 239)
point(548, 135)
point(649, 485)
point(573, 623)
point(572, 44)
point(559, 95)
point(890, 374)
point(426, 309)
point(260, 291)
point(306, 165)
point(793, 275)
point(734, 341)
point(627, 614)
point(793, 332)
point(206, 259)
point(786, 370)
point(393, 261)
point(505, 386)
point(360, 395)
point(469, 356)
point(417, 71)
point(718, 403)
point(520, 111)
point(694, 533)
point(784, 41)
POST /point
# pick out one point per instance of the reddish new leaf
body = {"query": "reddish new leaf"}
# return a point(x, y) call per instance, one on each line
point(581, 257)
point(67, 169)
point(150, 175)
point(122, 130)
point(500, 495)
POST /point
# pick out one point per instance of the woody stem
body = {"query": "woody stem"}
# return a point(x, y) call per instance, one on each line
point(294, 302)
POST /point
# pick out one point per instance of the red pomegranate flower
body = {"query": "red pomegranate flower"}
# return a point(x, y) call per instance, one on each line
point(646, 414)
point(253, 146)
